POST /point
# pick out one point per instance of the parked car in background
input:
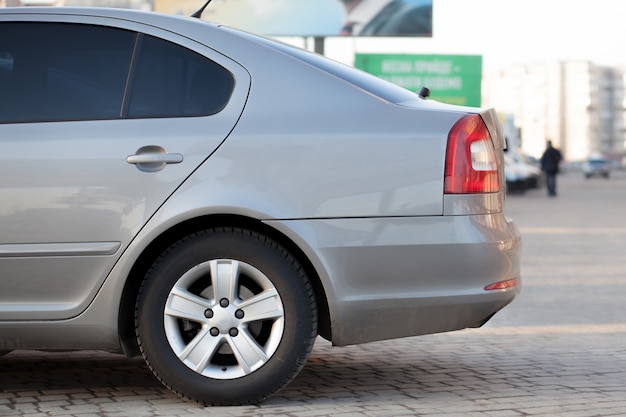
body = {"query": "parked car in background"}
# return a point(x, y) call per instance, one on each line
point(596, 166)
point(520, 174)
point(215, 200)
point(516, 176)
point(536, 177)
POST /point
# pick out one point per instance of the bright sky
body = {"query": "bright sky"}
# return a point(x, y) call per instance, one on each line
point(510, 31)
point(523, 30)
point(502, 31)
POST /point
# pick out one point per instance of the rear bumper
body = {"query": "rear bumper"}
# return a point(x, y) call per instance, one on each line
point(407, 276)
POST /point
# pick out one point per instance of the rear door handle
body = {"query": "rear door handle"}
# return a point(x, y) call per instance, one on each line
point(153, 158)
point(158, 158)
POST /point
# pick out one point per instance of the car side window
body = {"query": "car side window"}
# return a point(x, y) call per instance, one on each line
point(62, 72)
point(70, 72)
point(172, 81)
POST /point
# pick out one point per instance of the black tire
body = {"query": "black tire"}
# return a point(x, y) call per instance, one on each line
point(189, 345)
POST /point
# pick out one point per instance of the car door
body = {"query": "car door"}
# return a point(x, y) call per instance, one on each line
point(100, 122)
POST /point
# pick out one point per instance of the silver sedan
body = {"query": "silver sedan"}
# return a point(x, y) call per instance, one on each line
point(215, 201)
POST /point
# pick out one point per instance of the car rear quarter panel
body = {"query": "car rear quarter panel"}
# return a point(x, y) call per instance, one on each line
point(331, 150)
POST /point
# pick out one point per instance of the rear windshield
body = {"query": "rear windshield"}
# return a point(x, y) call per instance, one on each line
point(373, 85)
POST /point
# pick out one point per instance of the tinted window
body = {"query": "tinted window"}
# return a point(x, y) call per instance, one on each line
point(62, 72)
point(174, 81)
point(55, 71)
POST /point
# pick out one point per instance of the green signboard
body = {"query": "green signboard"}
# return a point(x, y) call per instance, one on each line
point(454, 79)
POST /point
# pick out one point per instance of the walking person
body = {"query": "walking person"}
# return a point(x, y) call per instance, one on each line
point(550, 161)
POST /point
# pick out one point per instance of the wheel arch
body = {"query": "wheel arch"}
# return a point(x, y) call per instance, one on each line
point(126, 317)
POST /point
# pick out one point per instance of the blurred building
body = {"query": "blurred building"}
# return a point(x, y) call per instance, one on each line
point(578, 105)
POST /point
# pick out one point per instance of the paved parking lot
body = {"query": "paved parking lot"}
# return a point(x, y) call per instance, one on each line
point(558, 350)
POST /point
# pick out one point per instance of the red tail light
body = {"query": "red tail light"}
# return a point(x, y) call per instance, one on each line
point(502, 285)
point(471, 163)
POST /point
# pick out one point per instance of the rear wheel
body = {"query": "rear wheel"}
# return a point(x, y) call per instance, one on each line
point(226, 316)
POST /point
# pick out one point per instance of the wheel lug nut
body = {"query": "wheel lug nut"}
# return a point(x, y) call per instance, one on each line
point(214, 331)
point(233, 332)
point(239, 314)
point(224, 302)
point(208, 313)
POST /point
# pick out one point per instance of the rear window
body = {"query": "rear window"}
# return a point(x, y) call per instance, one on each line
point(370, 83)
point(172, 81)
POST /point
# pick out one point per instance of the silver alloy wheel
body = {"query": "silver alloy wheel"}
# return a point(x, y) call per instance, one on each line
point(224, 319)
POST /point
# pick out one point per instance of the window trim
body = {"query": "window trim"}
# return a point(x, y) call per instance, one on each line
point(130, 79)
